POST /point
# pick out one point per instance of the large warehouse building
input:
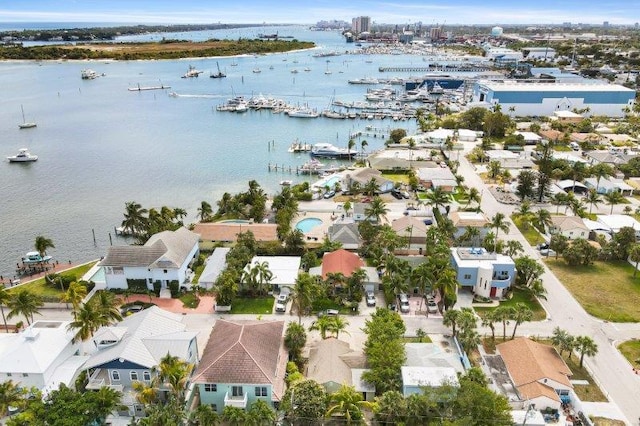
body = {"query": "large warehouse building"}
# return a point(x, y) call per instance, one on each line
point(543, 99)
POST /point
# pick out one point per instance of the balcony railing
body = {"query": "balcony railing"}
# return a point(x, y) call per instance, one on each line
point(235, 401)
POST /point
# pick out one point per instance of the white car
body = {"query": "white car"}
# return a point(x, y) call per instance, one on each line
point(371, 299)
point(547, 252)
point(432, 306)
point(281, 306)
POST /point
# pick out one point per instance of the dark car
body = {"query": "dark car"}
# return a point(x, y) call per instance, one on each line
point(396, 194)
point(543, 246)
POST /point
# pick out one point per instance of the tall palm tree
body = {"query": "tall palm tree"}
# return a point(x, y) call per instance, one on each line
point(260, 414)
point(107, 304)
point(42, 244)
point(348, 403)
point(74, 295)
point(204, 415)
point(377, 209)
point(446, 284)
point(174, 373)
point(543, 219)
point(146, 393)
point(134, 218)
point(304, 290)
point(601, 170)
point(5, 297)
point(499, 223)
point(494, 169)
point(613, 198)
point(350, 145)
point(205, 211)
point(437, 197)
point(586, 346)
point(24, 303)
point(593, 198)
point(371, 188)
point(339, 324)
point(450, 319)
point(489, 320)
point(87, 321)
point(263, 275)
point(504, 314)
point(521, 314)
point(473, 196)
point(559, 199)
point(363, 145)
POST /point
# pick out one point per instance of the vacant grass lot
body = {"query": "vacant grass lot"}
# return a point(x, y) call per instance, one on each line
point(631, 351)
point(606, 290)
point(539, 313)
point(530, 233)
point(48, 292)
point(254, 305)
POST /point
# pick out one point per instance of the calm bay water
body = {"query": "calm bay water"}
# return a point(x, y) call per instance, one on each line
point(100, 145)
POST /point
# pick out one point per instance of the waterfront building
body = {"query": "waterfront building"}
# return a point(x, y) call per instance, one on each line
point(543, 99)
point(361, 24)
point(486, 274)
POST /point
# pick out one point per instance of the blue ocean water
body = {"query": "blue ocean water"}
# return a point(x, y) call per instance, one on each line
point(100, 145)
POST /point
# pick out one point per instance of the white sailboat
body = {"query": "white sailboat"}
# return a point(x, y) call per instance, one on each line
point(26, 124)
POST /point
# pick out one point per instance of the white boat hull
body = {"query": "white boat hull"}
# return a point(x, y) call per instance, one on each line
point(22, 159)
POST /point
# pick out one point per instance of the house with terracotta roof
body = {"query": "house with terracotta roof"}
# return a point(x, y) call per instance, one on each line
point(227, 232)
point(571, 227)
point(346, 263)
point(164, 258)
point(539, 374)
point(244, 361)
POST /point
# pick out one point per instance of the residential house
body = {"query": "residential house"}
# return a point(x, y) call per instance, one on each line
point(509, 159)
point(244, 361)
point(130, 351)
point(332, 363)
point(530, 138)
point(608, 185)
point(569, 185)
point(42, 356)
point(411, 227)
point(613, 158)
point(360, 212)
point(486, 274)
point(539, 374)
point(364, 175)
point(396, 159)
point(461, 220)
point(551, 135)
point(565, 116)
point(346, 263)
point(615, 222)
point(214, 265)
point(346, 234)
point(227, 232)
point(164, 258)
point(437, 177)
point(285, 269)
point(580, 138)
point(414, 379)
point(571, 227)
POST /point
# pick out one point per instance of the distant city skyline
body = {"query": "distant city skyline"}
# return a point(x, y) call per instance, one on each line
point(616, 12)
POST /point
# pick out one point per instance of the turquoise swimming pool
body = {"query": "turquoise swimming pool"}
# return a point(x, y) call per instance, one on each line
point(98, 276)
point(307, 224)
point(235, 221)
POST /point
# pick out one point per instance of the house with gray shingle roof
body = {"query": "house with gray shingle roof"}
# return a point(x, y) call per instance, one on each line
point(244, 361)
point(164, 258)
point(127, 352)
point(346, 234)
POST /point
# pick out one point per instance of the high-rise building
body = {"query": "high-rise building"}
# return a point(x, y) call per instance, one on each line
point(435, 33)
point(361, 24)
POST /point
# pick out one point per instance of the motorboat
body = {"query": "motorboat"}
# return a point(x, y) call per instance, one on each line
point(286, 182)
point(303, 112)
point(192, 72)
point(35, 257)
point(23, 156)
point(327, 150)
point(299, 147)
point(312, 167)
point(88, 74)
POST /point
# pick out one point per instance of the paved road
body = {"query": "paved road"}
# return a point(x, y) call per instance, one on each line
point(608, 367)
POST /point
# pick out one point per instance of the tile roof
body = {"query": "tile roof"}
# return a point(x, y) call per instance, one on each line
point(229, 231)
point(241, 352)
point(167, 249)
point(325, 364)
point(536, 389)
point(340, 261)
point(528, 361)
point(464, 219)
point(410, 226)
point(565, 223)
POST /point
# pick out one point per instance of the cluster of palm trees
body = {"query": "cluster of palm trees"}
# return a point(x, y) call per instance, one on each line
point(592, 198)
point(563, 341)
point(22, 303)
point(101, 310)
point(256, 279)
point(506, 314)
point(143, 223)
point(244, 205)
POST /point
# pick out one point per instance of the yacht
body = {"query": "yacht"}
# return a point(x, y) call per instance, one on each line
point(88, 74)
point(23, 156)
point(34, 257)
point(326, 150)
point(303, 112)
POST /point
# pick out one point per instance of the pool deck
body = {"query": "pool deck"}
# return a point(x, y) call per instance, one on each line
point(319, 231)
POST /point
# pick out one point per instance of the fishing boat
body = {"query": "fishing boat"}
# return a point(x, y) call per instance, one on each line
point(26, 124)
point(219, 74)
point(192, 72)
point(88, 74)
point(23, 156)
point(33, 257)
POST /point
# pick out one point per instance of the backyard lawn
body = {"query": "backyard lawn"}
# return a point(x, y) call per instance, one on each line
point(539, 313)
point(190, 300)
point(631, 351)
point(397, 177)
point(530, 233)
point(252, 305)
point(606, 290)
point(47, 292)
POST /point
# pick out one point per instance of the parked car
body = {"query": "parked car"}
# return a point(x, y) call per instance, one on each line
point(432, 306)
point(396, 194)
point(371, 299)
point(329, 194)
point(282, 298)
point(542, 246)
point(547, 252)
point(281, 306)
point(329, 312)
point(405, 195)
point(403, 302)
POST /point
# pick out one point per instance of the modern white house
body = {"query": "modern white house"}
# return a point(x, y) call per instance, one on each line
point(487, 274)
point(608, 185)
point(285, 269)
point(128, 351)
point(414, 379)
point(42, 356)
point(164, 258)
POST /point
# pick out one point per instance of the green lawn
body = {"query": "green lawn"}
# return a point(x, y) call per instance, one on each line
point(590, 392)
point(425, 339)
point(397, 177)
point(530, 233)
point(47, 292)
point(190, 300)
point(539, 313)
point(631, 351)
point(253, 305)
point(198, 271)
point(606, 290)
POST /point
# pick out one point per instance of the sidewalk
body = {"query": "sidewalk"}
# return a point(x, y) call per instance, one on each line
point(175, 305)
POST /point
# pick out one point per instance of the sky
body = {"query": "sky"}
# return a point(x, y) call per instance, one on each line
point(503, 12)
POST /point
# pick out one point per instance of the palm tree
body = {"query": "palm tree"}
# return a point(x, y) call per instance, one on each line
point(559, 199)
point(494, 169)
point(586, 346)
point(473, 196)
point(521, 314)
point(499, 223)
point(304, 291)
point(174, 373)
point(263, 275)
point(24, 303)
point(451, 318)
point(234, 416)
point(107, 304)
point(363, 145)
point(543, 219)
point(42, 244)
point(348, 403)
point(377, 209)
point(74, 295)
point(371, 187)
point(489, 320)
point(411, 144)
point(88, 320)
point(437, 197)
point(634, 256)
point(469, 339)
point(204, 415)
point(613, 198)
point(134, 220)
point(339, 324)
point(562, 340)
point(504, 314)
point(322, 324)
point(260, 414)
point(205, 211)
point(350, 145)
point(471, 235)
point(593, 198)
point(5, 297)
point(11, 395)
point(446, 284)
point(146, 393)
point(599, 171)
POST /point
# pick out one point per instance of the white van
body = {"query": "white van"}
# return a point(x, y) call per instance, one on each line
point(574, 146)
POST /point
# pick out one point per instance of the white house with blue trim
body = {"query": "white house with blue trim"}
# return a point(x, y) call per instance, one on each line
point(487, 274)
point(543, 99)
